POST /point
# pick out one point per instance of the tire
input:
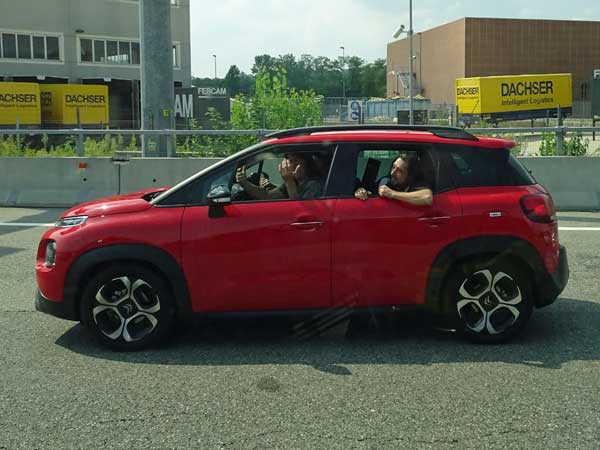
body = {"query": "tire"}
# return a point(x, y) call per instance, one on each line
point(489, 301)
point(128, 308)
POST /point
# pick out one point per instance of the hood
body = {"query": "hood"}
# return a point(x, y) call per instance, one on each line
point(119, 204)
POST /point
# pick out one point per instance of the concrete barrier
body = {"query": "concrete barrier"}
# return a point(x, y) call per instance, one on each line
point(61, 182)
point(147, 173)
point(574, 182)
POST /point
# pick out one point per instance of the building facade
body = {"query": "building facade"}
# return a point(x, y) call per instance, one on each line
point(87, 42)
point(478, 47)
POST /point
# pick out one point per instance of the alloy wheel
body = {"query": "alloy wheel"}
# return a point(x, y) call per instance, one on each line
point(489, 302)
point(126, 308)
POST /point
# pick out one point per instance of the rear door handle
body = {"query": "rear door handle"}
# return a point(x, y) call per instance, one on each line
point(438, 219)
point(307, 225)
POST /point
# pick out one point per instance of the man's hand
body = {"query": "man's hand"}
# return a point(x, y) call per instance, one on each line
point(240, 175)
point(386, 192)
point(287, 171)
point(362, 194)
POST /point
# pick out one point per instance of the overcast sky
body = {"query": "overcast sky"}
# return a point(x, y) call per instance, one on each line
point(238, 30)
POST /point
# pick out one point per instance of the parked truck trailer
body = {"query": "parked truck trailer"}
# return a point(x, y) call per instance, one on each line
point(513, 97)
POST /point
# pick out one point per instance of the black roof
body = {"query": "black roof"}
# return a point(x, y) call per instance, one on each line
point(443, 132)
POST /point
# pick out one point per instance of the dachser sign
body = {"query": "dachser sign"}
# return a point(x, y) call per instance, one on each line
point(85, 98)
point(514, 96)
point(72, 104)
point(527, 88)
point(18, 98)
point(20, 104)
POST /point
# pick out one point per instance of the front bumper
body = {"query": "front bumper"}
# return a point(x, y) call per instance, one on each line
point(56, 309)
point(551, 284)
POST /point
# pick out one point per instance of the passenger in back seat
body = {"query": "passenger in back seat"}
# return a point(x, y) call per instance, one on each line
point(405, 184)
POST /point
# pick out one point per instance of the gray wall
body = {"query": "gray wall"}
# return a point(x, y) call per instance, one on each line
point(98, 18)
point(44, 182)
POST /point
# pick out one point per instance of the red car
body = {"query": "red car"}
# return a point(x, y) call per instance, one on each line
point(482, 254)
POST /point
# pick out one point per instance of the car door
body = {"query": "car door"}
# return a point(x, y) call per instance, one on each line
point(262, 255)
point(382, 249)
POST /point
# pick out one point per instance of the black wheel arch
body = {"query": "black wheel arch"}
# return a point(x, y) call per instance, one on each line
point(509, 247)
point(151, 257)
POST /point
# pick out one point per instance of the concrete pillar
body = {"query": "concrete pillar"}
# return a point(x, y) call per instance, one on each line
point(157, 75)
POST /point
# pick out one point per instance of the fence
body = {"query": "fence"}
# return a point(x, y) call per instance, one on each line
point(540, 141)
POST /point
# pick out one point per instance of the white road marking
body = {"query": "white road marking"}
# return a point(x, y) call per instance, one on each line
point(578, 229)
point(28, 225)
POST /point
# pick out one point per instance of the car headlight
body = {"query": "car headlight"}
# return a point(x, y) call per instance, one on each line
point(68, 222)
point(50, 254)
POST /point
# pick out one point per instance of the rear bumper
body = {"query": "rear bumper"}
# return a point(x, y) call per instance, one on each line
point(56, 309)
point(551, 284)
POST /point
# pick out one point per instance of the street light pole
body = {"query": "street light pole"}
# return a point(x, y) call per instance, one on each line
point(343, 77)
point(215, 57)
point(410, 64)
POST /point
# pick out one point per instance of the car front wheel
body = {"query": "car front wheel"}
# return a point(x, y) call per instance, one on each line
point(128, 308)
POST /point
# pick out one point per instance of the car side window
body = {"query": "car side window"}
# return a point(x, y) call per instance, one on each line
point(289, 172)
point(373, 167)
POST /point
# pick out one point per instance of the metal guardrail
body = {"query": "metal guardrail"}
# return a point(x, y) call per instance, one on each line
point(80, 133)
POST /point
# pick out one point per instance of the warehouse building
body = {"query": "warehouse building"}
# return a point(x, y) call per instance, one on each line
point(87, 42)
point(478, 47)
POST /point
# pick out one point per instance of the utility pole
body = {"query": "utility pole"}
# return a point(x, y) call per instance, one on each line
point(158, 92)
point(343, 77)
point(410, 64)
point(215, 57)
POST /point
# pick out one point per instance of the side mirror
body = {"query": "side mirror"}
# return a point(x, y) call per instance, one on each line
point(218, 198)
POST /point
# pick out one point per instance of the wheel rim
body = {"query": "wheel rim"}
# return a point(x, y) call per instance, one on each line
point(489, 302)
point(126, 309)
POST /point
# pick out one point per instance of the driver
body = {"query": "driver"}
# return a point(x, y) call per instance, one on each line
point(301, 180)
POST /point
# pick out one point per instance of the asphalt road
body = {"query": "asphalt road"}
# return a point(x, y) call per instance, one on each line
point(262, 384)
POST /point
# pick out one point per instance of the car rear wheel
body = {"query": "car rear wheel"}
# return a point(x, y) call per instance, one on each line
point(489, 301)
point(128, 308)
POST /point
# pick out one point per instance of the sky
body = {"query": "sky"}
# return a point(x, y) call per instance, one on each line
point(238, 30)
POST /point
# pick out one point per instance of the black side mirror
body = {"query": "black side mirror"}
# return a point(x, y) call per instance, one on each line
point(218, 198)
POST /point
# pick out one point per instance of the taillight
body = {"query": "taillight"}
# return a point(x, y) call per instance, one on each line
point(539, 208)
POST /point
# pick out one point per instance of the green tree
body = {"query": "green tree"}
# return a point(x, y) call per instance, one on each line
point(274, 106)
point(233, 81)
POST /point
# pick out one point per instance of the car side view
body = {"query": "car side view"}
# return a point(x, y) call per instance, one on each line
point(321, 218)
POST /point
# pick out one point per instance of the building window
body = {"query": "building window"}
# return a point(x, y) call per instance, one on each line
point(112, 52)
point(135, 53)
point(175, 55)
point(26, 46)
point(52, 48)
point(39, 47)
point(87, 52)
point(116, 52)
point(99, 51)
point(9, 46)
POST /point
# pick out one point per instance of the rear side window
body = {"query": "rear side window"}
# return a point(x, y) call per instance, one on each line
point(473, 166)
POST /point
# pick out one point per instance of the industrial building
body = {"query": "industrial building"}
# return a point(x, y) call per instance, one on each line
point(479, 47)
point(87, 42)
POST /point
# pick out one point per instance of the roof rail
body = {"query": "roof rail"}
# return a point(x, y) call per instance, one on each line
point(444, 132)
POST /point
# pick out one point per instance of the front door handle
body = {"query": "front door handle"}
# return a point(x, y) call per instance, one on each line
point(434, 221)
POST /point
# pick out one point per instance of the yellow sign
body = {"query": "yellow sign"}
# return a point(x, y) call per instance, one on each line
point(19, 103)
point(62, 102)
point(511, 93)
